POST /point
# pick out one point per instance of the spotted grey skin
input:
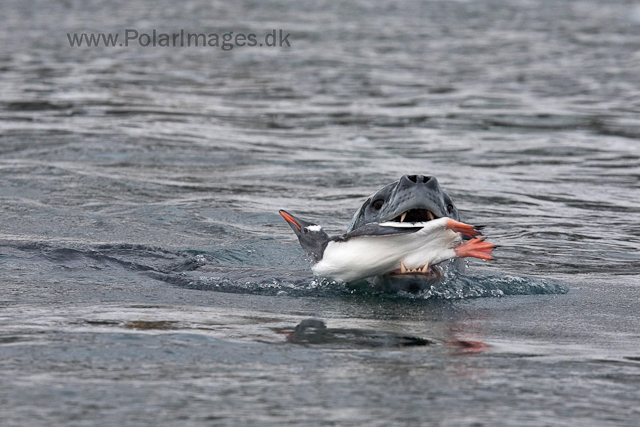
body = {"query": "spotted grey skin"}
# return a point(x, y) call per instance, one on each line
point(410, 192)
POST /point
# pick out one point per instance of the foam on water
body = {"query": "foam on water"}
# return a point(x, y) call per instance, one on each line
point(204, 272)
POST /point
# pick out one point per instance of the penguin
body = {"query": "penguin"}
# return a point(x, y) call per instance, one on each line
point(390, 247)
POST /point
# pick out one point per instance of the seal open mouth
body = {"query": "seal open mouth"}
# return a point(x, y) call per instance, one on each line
point(416, 215)
point(429, 271)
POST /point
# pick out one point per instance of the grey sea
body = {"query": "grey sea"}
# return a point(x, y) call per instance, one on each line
point(146, 277)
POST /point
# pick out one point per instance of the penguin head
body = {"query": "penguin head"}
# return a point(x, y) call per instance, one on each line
point(312, 237)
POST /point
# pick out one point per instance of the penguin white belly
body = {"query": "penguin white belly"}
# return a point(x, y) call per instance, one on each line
point(433, 250)
point(367, 256)
point(359, 258)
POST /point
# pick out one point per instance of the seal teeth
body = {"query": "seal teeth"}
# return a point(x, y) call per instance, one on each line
point(418, 270)
point(403, 216)
point(430, 215)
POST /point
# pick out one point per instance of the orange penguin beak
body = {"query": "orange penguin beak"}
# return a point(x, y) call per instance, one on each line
point(289, 218)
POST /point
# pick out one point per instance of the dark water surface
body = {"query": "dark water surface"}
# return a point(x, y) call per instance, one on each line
point(146, 277)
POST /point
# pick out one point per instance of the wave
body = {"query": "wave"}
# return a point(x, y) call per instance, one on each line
point(203, 271)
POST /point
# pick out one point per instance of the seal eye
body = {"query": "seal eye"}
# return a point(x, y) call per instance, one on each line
point(378, 204)
point(449, 208)
point(306, 230)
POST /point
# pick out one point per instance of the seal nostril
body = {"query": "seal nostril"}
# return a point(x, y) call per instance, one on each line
point(419, 179)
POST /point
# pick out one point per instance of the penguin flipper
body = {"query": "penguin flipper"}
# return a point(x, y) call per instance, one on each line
point(375, 229)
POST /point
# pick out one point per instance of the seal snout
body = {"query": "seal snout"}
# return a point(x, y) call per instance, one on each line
point(419, 180)
point(416, 198)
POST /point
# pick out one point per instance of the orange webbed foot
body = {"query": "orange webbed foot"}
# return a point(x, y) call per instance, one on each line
point(475, 248)
point(464, 229)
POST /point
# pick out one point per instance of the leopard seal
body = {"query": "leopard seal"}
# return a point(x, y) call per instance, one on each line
point(408, 228)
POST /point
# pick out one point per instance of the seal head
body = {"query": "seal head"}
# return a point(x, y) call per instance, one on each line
point(413, 198)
